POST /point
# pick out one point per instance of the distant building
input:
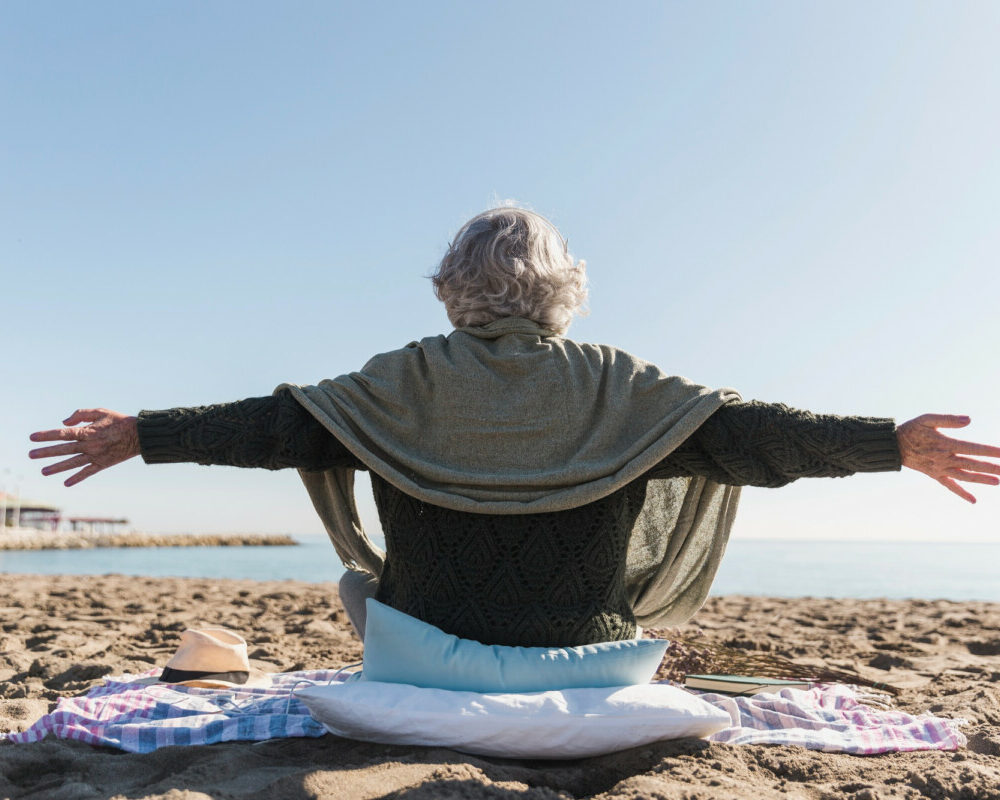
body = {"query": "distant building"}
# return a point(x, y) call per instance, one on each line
point(96, 524)
point(18, 512)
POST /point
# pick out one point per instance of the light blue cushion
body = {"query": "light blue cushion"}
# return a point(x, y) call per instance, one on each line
point(402, 649)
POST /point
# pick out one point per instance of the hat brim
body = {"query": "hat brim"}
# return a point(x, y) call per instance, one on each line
point(256, 679)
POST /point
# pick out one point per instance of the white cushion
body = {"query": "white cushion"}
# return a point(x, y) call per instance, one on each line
point(567, 723)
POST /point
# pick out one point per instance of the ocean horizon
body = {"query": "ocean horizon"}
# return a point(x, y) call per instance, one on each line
point(765, 567)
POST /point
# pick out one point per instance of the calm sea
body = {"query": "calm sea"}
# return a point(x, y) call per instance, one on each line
point(778, 568)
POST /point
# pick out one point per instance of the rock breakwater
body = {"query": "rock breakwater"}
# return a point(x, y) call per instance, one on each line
point(26, 539)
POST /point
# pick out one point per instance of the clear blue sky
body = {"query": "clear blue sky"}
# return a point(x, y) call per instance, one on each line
point(199, 201)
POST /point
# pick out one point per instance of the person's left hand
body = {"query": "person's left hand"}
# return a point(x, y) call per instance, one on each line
point(110, 438)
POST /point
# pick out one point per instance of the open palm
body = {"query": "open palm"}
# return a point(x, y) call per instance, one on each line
point(944, 459)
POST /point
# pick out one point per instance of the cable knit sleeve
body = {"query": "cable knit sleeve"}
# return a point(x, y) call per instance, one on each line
point(770, 444)
point(272, 432)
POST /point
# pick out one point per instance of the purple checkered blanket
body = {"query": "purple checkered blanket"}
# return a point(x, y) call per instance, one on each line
point(834, 718)
point(143, 718)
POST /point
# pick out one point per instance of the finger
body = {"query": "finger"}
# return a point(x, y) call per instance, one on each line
point(973, 477)
point(975, 466)
point(69, 463)
point(85, 473)
point(944, 420)
point(948, 483)
point(57, 434)
point(65, 450)
point(84, 415)
point(975, 449)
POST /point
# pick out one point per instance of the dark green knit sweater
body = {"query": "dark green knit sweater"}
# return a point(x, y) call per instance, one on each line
point(489, 577)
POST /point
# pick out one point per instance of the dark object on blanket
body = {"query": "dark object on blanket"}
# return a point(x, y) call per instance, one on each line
point(693, 654)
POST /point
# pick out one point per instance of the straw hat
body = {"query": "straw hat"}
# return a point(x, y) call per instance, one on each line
point(212, 658)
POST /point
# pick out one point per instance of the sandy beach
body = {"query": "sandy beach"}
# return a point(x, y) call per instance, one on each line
point(61, 635)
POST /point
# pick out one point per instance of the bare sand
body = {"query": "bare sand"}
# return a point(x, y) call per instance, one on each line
point(61, 634)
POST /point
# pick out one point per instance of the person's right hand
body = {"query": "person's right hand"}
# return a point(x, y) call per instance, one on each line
point(944, 458)
point(110, 438)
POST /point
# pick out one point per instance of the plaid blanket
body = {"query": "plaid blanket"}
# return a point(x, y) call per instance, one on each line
point(143, 718)
point(834, 718)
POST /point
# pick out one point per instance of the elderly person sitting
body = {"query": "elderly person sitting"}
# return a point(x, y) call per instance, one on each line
point(532, 490)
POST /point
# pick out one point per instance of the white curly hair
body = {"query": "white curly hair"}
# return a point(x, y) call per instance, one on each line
point(510, 262)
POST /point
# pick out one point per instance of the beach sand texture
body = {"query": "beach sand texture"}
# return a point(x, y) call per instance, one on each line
point(61, 634)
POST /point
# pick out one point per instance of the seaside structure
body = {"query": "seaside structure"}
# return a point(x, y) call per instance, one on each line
point(18, 514)
point(15, 512)
point(96, 524)
point(27, 525)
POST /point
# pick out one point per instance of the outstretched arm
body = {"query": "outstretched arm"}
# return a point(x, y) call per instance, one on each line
point(273, 432)
point(770, 444)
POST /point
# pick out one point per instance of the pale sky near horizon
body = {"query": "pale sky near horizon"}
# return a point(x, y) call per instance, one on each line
point(201, 201)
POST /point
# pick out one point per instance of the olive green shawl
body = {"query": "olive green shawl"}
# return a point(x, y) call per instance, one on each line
point(510, 418)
